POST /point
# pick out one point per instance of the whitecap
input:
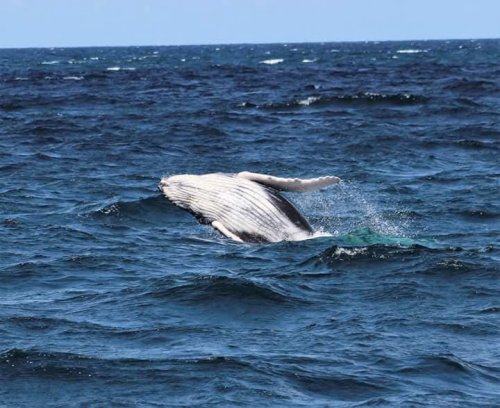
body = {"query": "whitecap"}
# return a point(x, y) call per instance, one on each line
point(272, 61)
point(50, 62)
point(94, 58)
point(308, 101)
point(411, 51)
point(120, 69)
point(349, 251)
point(74, 78)
point(308, 61)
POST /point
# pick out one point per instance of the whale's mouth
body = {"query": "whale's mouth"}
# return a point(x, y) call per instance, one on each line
point(163, 184)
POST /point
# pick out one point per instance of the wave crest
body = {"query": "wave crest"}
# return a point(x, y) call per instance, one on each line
point(399, 99)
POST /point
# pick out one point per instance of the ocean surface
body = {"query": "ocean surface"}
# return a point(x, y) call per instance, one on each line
point(110, 296)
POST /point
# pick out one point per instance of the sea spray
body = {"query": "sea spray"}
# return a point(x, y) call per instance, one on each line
point(346, 207)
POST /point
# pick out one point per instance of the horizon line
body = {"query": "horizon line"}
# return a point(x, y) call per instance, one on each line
point(245, 43)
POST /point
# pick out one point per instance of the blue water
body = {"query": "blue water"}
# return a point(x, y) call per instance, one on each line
point(112, 296)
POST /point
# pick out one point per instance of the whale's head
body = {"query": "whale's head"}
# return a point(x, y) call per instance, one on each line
point(182, 188)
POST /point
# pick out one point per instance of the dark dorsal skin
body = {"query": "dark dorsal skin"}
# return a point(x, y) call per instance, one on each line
point(288, 209)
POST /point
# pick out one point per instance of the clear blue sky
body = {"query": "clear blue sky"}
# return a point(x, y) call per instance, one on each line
point(50, 23)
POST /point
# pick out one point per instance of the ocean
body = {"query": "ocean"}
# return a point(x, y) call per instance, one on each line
point(110, 296)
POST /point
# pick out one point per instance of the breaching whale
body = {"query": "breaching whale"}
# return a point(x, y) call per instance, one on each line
point(245, 207)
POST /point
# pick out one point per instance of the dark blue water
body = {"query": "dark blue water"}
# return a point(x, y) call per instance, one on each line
point(112, 296)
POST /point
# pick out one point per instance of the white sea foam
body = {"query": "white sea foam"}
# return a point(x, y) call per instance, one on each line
point(349, 251)
point(307, 61)
point(411, 51)
point(308, 101)
point(272, 61)
point(50, 62)
point(74, 78)
point(120, 69)
point(94, 58)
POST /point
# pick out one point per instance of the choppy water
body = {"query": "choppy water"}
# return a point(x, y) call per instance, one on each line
point(111, 296)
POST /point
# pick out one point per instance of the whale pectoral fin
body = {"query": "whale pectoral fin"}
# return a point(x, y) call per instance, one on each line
point(224, 231)
point(290, 184)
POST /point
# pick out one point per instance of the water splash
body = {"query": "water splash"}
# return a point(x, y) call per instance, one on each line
point(346, 207)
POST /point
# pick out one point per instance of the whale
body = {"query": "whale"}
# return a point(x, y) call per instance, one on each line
point(245, 206)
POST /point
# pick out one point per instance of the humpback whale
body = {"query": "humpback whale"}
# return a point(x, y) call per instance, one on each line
point(245, 207)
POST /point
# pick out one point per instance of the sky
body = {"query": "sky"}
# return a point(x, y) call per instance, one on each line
point(75, 23)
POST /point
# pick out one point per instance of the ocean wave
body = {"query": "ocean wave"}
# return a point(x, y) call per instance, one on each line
point(149, 208)
point(74, 78)
point(468, 264)
point(102, 330)
point(477, 144)
point(473, 86)
point(465, 326)
point(341, 387)
point(480, 214)
point(490, 310)
point(48, 128)
point(360, 98)
point(308, 101)
point(364, 245)
point(451, 368)
point(120, 69)
point(372, 252)
point(412, 51)
point(272, 61)
point(26, 363)
point(212, 288)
